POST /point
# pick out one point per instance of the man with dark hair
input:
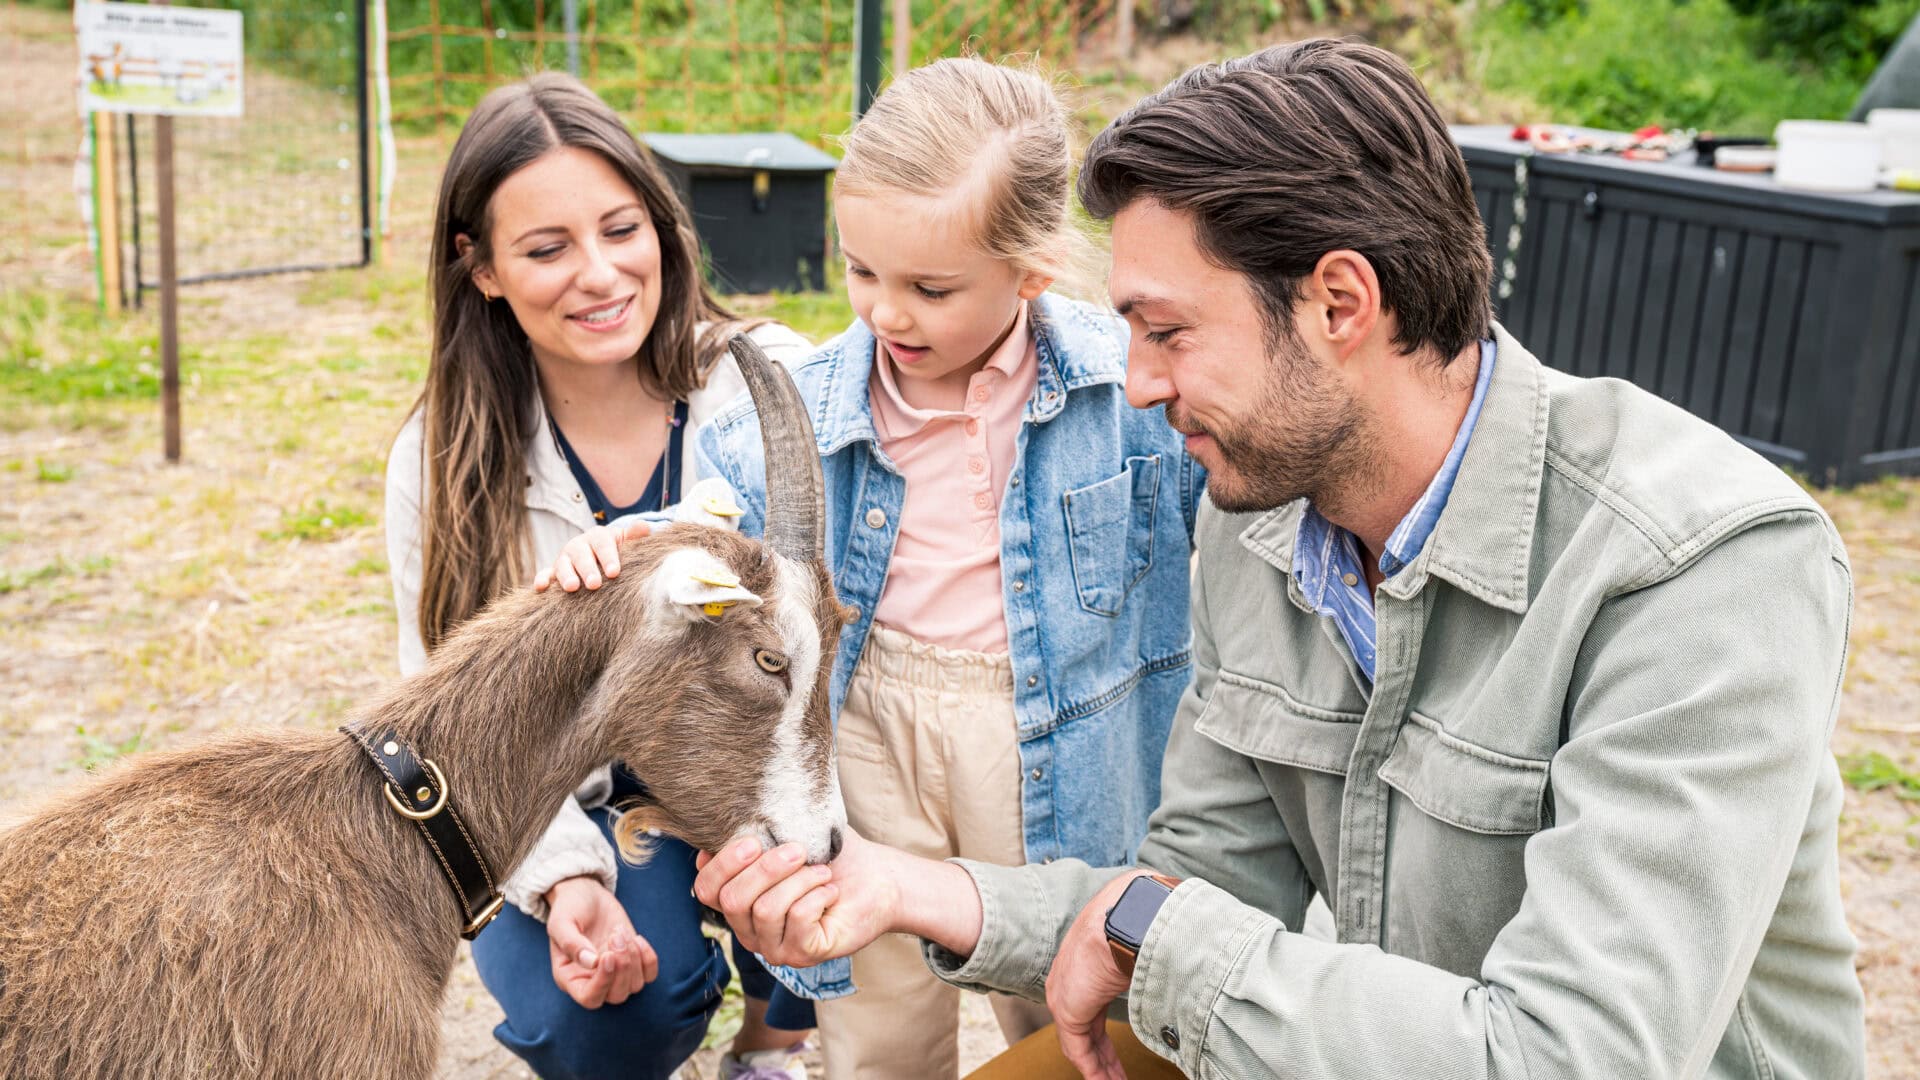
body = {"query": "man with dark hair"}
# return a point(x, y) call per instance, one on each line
point(1530, 676)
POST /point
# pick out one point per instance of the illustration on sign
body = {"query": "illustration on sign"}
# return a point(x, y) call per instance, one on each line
point(136, 58)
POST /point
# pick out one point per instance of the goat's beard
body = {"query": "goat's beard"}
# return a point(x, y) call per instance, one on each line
point(1304, 436)
point(641, 823)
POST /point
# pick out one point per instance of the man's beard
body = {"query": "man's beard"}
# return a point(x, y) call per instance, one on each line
point(1304, 437)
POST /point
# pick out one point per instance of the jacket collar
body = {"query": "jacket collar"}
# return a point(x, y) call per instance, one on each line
point(1483, 542)
point(550, 483)
point(1074, 350)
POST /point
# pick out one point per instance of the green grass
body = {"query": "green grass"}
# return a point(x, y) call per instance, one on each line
point(318, 522)
point(1874, 770)
point(56, 349)
point(1888, 493)
point(51, 472)
point(92, 566)
point(818, 316)
point(96, 751)
point(1624, 63)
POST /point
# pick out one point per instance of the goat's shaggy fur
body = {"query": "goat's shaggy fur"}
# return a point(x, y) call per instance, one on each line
point(252, 907)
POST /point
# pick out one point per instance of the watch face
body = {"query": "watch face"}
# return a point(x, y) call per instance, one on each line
point(1129, 920)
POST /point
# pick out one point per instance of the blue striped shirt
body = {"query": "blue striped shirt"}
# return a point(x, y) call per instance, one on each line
point(1326, 557)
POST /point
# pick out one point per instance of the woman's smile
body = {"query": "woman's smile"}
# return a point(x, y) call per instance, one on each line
point(604, 318)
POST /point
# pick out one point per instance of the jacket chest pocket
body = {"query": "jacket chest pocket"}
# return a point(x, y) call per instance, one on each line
point(1265, 722)
point(1464, 784)
point(1110, 534)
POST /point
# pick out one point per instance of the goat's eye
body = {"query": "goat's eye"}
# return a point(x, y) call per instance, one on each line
point(770, 661)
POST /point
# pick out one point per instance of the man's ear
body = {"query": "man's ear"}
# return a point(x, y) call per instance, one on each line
point(482, 276)
point(1346, 291)
point(692, 585)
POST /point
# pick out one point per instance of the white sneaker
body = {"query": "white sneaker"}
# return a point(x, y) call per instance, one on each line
point(765, 1065)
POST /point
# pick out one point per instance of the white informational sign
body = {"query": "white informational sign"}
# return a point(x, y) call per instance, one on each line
point(177, 61)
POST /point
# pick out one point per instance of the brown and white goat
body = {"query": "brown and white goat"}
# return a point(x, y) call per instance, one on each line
point(253, 907)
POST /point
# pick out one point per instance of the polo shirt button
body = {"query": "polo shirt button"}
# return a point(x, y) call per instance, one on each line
point(876, 518)
point(983, 500)
point(973, 427)
point(976, 466)
point(577, 496)
point(980, 394)
point(1170, 1037)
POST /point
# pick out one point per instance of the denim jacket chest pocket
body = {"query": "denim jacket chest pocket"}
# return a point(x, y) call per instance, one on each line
point(1108, 562)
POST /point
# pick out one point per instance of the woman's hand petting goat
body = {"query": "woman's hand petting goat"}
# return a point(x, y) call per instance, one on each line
point(590, 559)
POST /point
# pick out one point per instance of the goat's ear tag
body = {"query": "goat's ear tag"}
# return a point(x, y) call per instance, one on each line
point(692, 585)
point(710, 502)
point(719, 507)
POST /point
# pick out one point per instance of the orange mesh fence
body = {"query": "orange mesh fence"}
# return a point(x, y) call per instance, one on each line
point(696, 65)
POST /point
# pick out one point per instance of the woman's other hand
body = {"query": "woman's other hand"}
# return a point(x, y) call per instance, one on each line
point(597, 958)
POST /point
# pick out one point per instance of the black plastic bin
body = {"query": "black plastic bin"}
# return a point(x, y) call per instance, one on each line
point(1790, 319)
point(759, 203)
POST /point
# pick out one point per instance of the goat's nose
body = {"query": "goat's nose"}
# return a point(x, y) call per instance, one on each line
point(834, 840)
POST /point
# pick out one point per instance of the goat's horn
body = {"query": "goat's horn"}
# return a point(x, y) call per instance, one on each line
point(796, 501)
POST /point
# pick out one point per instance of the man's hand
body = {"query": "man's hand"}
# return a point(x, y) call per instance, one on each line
point(597, 958)
point(1084, 980)
point(796, 914)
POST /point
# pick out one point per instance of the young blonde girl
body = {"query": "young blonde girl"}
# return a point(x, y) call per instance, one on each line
point(1012, 534)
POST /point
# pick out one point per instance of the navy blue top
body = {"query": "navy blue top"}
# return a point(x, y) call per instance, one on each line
point(663, 490)
point(663, 487)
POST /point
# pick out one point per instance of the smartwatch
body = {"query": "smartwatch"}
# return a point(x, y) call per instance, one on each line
point(1132, 915)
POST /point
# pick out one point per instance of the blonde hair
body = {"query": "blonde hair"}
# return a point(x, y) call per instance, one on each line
point(996, 135)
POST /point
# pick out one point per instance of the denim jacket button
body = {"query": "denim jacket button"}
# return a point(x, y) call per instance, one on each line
point(1020, 586)
point(1170, 1037)
point(876, 518)
point(1033, 680)
point(1037, 774)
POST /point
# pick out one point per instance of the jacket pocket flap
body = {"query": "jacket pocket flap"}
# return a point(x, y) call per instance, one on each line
point(1464, 784)
point(1263, 721)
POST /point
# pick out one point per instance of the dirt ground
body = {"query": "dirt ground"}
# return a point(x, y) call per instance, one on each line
point(145, 605)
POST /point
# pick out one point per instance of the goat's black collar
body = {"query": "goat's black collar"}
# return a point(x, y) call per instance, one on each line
point(417, 791)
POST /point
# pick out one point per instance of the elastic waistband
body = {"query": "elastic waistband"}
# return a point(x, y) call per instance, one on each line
point(890, 654)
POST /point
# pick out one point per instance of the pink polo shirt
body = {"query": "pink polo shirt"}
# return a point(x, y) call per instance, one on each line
point(943, 585)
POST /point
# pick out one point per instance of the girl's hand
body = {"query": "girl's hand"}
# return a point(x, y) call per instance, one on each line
point(590, 558)
point(597, 958)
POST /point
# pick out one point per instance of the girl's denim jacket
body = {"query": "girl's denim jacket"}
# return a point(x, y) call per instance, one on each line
point(1096, 527)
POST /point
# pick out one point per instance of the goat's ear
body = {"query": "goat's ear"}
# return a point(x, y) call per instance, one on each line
point(710, 502)
point(692, 585)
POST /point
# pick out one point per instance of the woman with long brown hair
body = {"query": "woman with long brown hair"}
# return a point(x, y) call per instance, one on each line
point(574, 345)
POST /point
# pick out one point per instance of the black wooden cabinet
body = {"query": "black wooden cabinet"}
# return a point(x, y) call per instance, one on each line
point(1790, 319)
point(759, 203)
